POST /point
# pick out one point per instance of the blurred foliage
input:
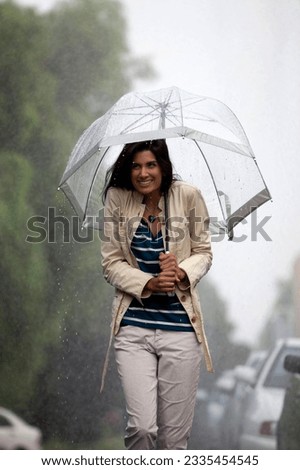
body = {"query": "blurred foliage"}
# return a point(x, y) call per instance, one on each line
point(281, 322)
point(58, 71)
point(225, 353)
point(24, 278)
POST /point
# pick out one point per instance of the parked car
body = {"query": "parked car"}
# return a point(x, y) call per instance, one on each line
point(264, 399)
point(234, 411)
point(16, 433)
point(218, 411)
point(288, 429)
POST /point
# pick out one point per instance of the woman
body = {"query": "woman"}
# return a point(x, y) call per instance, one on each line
point(157, 322)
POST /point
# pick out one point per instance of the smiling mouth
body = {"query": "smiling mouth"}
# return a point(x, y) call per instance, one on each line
point(145, 183)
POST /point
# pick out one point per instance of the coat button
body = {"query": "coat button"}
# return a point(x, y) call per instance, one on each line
point(193, 319)
point(183, 298)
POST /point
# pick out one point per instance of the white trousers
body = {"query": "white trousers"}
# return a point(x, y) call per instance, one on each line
point(159, 371)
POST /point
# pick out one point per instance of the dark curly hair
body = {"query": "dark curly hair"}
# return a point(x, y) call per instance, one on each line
point(119, 175)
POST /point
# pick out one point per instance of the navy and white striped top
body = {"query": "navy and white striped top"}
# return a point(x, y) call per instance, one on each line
point(159, 310)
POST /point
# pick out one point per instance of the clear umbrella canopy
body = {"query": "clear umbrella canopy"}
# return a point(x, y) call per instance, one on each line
point(207, 144)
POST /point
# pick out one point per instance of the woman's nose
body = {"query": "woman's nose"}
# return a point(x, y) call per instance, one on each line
point(143, 171)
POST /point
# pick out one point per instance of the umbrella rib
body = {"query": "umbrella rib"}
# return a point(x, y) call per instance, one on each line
point(213, 180)
point(138, 125)
point(180, 108)
point(92, 183)
point(173, 122)
point(138, 120)
point(124, 113)
point(155, 101)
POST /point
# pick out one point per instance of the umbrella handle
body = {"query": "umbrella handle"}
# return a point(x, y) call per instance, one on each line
point(170, 294)
point(167, 223)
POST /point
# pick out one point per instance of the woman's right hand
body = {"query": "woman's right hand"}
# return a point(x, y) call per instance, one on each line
point(164, 282)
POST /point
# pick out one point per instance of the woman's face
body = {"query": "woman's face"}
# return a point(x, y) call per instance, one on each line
point(146, 174)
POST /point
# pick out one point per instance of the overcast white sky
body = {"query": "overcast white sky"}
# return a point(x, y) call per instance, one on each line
point(246, 54)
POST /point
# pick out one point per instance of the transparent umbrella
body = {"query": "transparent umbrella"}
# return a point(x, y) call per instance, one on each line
point(207, 144)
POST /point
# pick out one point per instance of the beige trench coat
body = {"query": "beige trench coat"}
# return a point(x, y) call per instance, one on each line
point(189, 241)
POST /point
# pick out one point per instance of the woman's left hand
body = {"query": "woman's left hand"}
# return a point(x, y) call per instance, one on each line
point(167, 262)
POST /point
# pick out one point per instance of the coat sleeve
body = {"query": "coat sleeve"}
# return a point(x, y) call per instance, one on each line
point(200, 259)
point(116, 269)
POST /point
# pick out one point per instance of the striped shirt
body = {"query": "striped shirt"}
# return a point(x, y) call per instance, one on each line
point(159, 310)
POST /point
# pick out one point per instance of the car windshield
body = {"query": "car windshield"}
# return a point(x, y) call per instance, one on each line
point(278, 377)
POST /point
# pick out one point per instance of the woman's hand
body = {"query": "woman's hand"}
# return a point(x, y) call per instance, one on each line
point(168, 277)
point(168, 261)
point(164, 282)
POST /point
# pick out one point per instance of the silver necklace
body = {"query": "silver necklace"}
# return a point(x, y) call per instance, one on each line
point(151, 217)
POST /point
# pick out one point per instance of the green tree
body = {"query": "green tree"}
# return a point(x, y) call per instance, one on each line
point(89, 54)
point(25, 327)
point(27, 88)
